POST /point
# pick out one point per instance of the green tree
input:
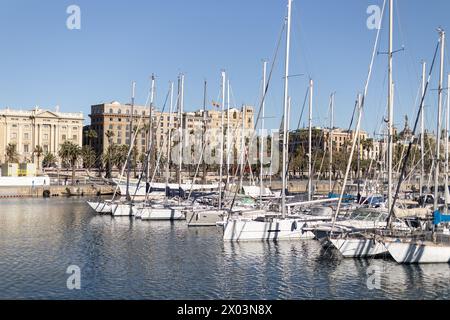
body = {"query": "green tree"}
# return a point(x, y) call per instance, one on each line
point(107, 157)
point(88, 156)
point(38, 152)
point(49, 160)
point(69, 153)
point(91, 136)
point(11, 153)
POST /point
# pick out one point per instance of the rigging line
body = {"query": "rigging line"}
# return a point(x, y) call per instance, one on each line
point(403, 37)
point(366, 88)
point(400, 180)
point(148, 153)
point(265, 93)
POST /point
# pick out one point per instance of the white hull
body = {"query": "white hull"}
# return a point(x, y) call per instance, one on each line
point(100, 206)
point(122, 210)
point(254, 230)
point(207, 218)
point(419, 252)
point(149, 213)
point(359, 248)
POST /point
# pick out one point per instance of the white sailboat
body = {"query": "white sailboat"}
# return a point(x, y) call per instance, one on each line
point(430, 247)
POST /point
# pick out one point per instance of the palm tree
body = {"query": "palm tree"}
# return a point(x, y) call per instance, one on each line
point(91, 135)
point(38, 151)
point(11, 153)
point(88, 156)
point(108, 156)
point(69, 153)
point(49, 160)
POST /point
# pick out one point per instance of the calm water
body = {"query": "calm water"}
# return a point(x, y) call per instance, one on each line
point(125, 259)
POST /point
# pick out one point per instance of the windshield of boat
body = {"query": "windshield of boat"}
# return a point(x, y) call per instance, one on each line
point(368, 215)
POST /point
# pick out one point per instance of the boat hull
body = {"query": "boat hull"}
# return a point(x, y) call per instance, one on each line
point(419, 252)
point(122, 210)
point(276, 230)
point(161, 214)
point(359, 248)
point(100, 207)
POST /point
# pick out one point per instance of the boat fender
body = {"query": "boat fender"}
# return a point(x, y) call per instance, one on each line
point(294, 226)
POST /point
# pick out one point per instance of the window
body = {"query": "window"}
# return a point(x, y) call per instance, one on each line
point(119, 111)
point(64, 137)
point(26, 148)
point(110, 127)
point(128, 111)
point(111, 111)
point(75, 137)
point(119, 141)
point(75, 128)
point(45, 148)
point(45, 136)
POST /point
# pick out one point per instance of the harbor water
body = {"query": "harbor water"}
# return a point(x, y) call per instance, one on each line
point(123, 258)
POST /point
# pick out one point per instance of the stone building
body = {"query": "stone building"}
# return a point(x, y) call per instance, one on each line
point(38, 127)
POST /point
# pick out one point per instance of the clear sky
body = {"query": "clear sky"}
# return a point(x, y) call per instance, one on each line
point(44, 63)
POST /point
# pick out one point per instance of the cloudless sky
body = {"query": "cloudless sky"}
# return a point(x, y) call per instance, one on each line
point(44, 63)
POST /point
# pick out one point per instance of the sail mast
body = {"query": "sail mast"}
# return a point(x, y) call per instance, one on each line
point(311, 89)
point(169, 138)
point(438, 131)
point(446, 145)
point(422, 133)
point(262, 137)
point(221, 140)
point(133, 88)
point(330, 164)
point(286, 93)
point(390, 104)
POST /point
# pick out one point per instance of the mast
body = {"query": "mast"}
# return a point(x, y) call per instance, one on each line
point(438, 133)
point(243, 149)
point(133, 88)
point(150, 133)
point(262, 137)
point(204, 130)
point(221, 140)
point(390, 104)
point(422, 132)
point(180, 119)
point(447, 119)
point(330, 164)
point(286, 92)
point(311, 89)
point(169, 138)
point(228, 132)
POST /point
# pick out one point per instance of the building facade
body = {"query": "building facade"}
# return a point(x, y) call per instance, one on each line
point(38, 127)
point(115, 118)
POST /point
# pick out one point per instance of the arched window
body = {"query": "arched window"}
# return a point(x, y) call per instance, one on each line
point(119, 111)
point(111, 111)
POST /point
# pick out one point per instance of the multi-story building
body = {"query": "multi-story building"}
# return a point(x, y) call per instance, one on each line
point(115, 118)
point(38, 127)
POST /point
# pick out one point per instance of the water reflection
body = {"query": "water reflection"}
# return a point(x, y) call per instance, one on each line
point(123, 258)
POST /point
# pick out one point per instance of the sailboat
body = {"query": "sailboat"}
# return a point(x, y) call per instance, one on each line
point(277, 225)
point(429, 246)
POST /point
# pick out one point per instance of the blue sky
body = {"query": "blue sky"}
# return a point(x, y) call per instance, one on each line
point(43, 63)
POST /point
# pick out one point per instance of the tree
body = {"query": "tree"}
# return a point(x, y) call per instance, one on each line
point(11, 153)
point(49, 160)
point(69, 153)
point(91, 135)
point(107, 157)
point(38, 151)
point(88, 156)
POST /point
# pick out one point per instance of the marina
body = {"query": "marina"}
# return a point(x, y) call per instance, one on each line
point(288, 198)
point(123, 258)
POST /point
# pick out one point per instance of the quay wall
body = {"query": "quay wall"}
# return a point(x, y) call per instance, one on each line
point(55, 191)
